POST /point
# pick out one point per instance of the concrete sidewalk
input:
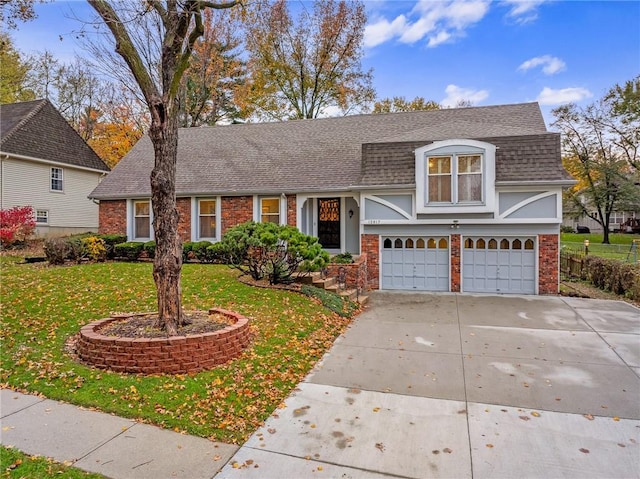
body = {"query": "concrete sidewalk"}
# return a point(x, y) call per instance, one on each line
point(421, 385)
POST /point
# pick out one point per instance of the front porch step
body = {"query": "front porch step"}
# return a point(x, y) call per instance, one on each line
point(325, 283)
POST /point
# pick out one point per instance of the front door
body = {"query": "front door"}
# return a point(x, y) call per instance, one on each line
point(329, 222)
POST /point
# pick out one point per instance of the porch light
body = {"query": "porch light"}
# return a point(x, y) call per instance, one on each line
point(455, 225)
point(350, 213)
point(586, 247)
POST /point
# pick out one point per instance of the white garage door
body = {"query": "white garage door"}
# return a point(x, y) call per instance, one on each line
point(415, 263)
point(499, 265)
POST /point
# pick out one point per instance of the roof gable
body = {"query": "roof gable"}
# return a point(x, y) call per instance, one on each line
point(36, 129)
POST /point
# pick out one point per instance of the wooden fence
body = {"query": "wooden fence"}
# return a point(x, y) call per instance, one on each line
point(571, 263)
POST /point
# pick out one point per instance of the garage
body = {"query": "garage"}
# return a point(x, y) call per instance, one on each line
point(499, 265)
point(415, 263)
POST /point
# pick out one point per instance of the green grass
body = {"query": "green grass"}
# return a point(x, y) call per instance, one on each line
point(614, 238)
point(619, 247)
point(17, 465)
point(43, 306)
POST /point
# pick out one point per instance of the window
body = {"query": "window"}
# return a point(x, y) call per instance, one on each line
point(270, 210)
point(454, 179)
point(56, 179)
point(142, 219)
point(207, 219)
point(42, 217)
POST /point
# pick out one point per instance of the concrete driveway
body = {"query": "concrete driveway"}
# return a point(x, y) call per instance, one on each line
point(455, 385)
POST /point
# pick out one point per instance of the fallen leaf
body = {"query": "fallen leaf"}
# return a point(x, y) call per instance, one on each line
point(616, 418)
point(217, 458)
point(583, 450)
point(312, 426)
point(380, 446)
point(447, 450)
point(525, 418)
point(271, 431)
point(235, 465)
point(535, 414)
point(489, 446)
point(589, 417)
point(319, 468)
point(376, 409)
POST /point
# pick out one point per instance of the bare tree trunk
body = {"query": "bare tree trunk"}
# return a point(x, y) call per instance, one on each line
point(167, 264)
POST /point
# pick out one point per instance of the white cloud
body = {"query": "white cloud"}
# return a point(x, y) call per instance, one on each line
point(437, 21)
point(550, 65)
point(456, 94)
point(382, 31)
point(523, 11)
point(549, 96)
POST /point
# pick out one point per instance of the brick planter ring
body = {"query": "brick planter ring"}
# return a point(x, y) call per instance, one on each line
point(173, 355)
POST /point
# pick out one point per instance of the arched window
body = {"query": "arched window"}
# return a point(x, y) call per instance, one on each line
point(408, 243)
point(480, 244)
point(387, 243)
point(468, 243)
point(431, 244)
point(493, 244)
point(528, 244)
point(420, 243)
point(398, 243)
point(442, 244)
point(504, 244)
point(517, 244)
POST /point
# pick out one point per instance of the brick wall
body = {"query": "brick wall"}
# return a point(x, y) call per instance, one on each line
point(183, 205)
point(356, 273)
point(370, 246)
point(292, 214)
point(548, 264)
point(236, 210)
point(455, 263)
point(173, 355)
point(112, 217)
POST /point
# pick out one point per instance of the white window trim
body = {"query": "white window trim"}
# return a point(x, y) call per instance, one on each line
point(257, 207)
point(131, 214)
point(46, 216)
point(488, 177)
point(61, 179)
point(195, 218)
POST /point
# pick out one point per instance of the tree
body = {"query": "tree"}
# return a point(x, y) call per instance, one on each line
point(14, 85)
point(214, 75)
point(623, 121)
point(400, 103)
point(177, 26)
point(591, 155)
point(16, 10)
point(300, 68)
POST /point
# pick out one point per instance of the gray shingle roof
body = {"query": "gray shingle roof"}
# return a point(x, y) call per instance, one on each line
point(36, 129)
point(309, 155)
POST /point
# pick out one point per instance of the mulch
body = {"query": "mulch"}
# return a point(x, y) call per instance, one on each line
point(143, 326)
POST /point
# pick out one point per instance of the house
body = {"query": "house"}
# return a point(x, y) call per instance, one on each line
point(45, 164)
point(466, 199)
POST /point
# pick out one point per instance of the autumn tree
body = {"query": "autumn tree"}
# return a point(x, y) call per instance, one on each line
point(155, 40)
point(301, 67)
point(400, 104)
point(623, 120)
point(14, 85)
point(215, 73)
point(605, 180)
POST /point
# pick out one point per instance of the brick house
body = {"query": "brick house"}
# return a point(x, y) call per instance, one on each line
point(466, 199)
point(45, 164)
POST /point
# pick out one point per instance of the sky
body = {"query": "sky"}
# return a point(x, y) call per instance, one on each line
point(486, 52)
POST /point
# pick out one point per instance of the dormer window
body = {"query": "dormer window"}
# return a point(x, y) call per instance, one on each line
point(455, 175)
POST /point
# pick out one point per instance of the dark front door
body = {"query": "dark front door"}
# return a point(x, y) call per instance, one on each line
point(329, 222)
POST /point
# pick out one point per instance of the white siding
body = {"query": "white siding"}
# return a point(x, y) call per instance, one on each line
point(26, 183)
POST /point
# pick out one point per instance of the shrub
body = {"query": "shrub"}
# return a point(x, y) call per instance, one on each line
point(56, 250)
point(216, 253)
point(199, 249)
point(150, 248)
point(336, 303)
point(274, 251)
point(613, 275)
point(17, 224)
point(110, 241)
point(94, 248)
point(566, 229)
point(76, 250)
point(187, 252)
point(130, 250)
point(342, 258)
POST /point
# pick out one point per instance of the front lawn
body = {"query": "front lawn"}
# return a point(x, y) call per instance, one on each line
point(17, 465)
point(620, 246)
point(43, 306)
point(596, 238)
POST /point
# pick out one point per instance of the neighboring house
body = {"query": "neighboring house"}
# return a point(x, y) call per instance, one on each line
point(619, 222)
point(45, 164)
point(465, 199)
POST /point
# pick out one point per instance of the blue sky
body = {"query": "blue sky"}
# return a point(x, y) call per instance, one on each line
point(488, 52)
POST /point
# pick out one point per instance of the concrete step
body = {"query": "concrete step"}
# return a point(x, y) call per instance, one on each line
point(363, 300)
point(324, 283)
